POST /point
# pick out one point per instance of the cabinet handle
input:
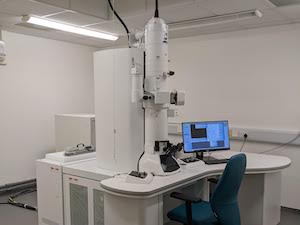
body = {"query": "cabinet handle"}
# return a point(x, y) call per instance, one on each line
point(70, 178)
point(75, 179)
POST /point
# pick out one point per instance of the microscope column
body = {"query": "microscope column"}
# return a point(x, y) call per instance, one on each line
point(156, 120)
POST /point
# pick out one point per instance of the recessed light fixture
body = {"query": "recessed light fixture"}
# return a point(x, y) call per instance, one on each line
point(68, 28)
point(213, 20)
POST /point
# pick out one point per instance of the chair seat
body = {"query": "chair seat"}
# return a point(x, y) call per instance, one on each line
point(202, 214)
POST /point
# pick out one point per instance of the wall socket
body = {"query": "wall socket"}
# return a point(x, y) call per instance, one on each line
point(233, 133)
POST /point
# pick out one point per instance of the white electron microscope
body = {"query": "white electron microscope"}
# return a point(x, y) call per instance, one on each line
point(158, 158)
point(133, 104)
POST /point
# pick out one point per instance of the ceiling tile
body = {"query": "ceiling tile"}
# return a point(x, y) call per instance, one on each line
point(25, 7)
point(165, 3)
point(59, 3)
point(102, 43)
point(72, 17)
point(229, 6)
point(6, 19)
point(97, 8)
point(292, 12)
point(188, 11)
point(111, 27)
point(133, 23)
point(129, 7)
point(138, 22)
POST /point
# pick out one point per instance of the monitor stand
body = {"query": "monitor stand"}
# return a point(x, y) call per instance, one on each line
point(209, 159)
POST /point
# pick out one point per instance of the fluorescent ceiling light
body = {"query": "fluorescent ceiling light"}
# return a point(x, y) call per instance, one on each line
point(68, 28)
point(213, 20)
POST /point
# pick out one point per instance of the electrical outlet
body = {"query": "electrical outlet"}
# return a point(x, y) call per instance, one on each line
point(233, 133)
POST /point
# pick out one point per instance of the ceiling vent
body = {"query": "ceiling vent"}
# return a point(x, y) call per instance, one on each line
point(279, 3)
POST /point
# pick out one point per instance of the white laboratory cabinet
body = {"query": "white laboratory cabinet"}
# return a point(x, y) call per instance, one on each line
point(72, 129)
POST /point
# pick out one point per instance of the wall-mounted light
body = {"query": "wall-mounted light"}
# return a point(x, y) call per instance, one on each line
point(68, 28)
point(213, 20)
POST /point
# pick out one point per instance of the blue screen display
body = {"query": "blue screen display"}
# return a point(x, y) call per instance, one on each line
point(205, 136)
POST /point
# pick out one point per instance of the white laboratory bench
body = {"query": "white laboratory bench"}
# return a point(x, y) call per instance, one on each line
point(142, 204)
point(78, 192)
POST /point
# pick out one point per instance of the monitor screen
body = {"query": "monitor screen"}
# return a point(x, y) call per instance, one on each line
point(205, 136)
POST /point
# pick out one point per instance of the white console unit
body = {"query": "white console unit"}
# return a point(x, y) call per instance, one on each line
point(51, 194)
point(120, 116)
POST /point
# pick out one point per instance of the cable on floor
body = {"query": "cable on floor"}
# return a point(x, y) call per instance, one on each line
point(11, 200)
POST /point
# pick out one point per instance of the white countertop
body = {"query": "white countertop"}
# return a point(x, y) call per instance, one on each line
point(60, 157)
point(256, 164)
point(88, 169)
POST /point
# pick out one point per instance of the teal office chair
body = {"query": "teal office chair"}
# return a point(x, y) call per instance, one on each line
point(223, 207)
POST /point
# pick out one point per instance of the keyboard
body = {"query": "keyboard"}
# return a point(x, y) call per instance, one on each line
point(212, 161)
point(190, 159)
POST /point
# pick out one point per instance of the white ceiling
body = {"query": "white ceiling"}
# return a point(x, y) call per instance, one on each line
point(95, 14)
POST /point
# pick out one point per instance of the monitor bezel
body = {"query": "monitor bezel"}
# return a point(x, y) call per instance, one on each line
point(205, 150)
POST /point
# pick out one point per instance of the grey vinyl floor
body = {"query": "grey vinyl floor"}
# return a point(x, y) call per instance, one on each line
point(11, 215)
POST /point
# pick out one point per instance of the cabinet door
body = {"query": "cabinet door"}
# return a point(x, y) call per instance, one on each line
point(98, 197)
point(50, 193)
point(84, 201)
point(79, 205)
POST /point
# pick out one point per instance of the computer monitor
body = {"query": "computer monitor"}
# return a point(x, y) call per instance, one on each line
point(205, 136)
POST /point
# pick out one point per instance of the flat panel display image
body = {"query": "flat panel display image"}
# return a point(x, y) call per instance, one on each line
point(205, 136)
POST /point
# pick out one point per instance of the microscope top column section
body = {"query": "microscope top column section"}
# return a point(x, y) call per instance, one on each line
point(156, 45)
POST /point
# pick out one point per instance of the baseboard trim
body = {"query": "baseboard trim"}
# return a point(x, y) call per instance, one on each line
point(290, 209)
point(17, 186)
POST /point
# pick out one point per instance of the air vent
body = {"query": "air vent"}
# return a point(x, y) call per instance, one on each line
point(284, 2)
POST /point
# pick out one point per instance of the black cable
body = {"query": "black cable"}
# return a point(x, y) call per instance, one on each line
point(22, 205)
point(119, 18)
point(156, 15)
point(282, 145)
point(12, 201)
point(244, 142)
point(138, 163)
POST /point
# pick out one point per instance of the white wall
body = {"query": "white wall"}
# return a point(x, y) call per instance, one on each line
point(43, 77)
point(249, 77)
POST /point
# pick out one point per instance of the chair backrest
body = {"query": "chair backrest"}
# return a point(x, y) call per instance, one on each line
point(224, 201)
